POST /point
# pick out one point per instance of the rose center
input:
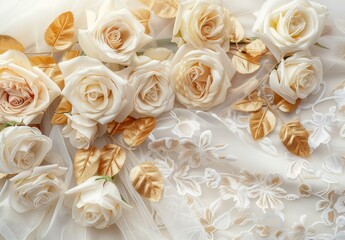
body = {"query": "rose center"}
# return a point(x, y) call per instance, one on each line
point(296, 24)
point(200, 79)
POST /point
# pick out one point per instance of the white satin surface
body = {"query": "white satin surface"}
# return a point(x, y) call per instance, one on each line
point(175, 217)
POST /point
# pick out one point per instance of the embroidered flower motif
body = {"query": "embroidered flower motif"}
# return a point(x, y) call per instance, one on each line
point(212, 178)
point(232, 189)
point(340, 205)
point(322, 126)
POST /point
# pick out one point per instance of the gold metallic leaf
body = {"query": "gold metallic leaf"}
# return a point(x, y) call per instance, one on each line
point(284, 105)
point(143, 16)
point(165, 8)
point(86, 163)
point(70, 55)
point(148, 3)
point(262, 123)
point(59, 117)
point(9, 43)
point(244, 63)
point(255, 48)
point(295, 138)
point(112, 159)
point(237, 31)
point(252, 103)
point(147, 180)
point(3, 175)
point(60, 33)
point(138, 131)
point(115, 127)
point(58, 77)
point(46, 63)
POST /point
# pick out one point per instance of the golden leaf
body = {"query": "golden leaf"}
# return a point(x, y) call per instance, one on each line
point(147, 180)
point(252, 103)
point(148, 3)
point(244, 63)
point(295, 138)
point(9, 43)
point(86, 163)
point(59, 117)
point(115, 127)
point(45, 63)
point(165, 8)
point(137, 132)
point(58, 77)
point(3, 175)
point(70, 55)
point(112, 159)
point(255, 48)
point(237, 31)
point(60, 33)
point(284, 105)
point(143, 16)
point(262, 123)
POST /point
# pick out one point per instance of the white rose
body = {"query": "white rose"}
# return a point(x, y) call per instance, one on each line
point(22, 148)
point(201, 76)
point(113, 34)
point(82, 131)
point(97, 203)
point(153, 88)
point(288, 26)
point(297, 77)
point(25, 91)
point(37, 188)
point(96, 92)
point(202, 23)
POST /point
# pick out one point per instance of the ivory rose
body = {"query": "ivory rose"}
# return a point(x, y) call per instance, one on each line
point(25, 91)
point(202, 23)
point(153, 88)
point(201, 76)
point(96, 92)
point(36, 189)
point(22, 148)
point(82, 131)
point(113, 34)
point(97, 203)
point(297, 77)
point(287, 26)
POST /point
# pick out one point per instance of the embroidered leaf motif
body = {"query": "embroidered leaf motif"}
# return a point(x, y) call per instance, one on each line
point(86, 163)
point(59, 117)
point(45, 63)
point(262, 123)
point(115, 127)
point(137, 132)
point(244, 63)
point(143, 16)
point(9, 43)
point(147, 181)
point(60, 33)
point(251, 103)
point(295, 138)
point(112, 160)
point(284, 105)
point(255, 48)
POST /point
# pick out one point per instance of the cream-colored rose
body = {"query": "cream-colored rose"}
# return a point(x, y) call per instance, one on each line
point(82, 131)
point(297, 77)
point(287, 26)
point(96, 92)
point(37, 188)
point(201, 76)
point(22, 148)
point(153, 88)
point(113, 34)
point(97, 203)
point(202, 23)
point(25, 91)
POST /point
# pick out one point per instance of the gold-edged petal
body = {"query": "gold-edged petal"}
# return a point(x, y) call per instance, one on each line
point(294, 136)
point(112, 160)
point(147, 180)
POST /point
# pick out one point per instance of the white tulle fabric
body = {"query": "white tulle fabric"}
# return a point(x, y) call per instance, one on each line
point(196, 201)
